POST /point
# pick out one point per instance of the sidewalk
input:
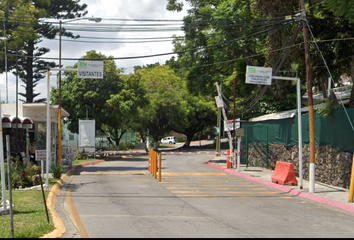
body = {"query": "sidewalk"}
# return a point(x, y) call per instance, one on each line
point(325, 194)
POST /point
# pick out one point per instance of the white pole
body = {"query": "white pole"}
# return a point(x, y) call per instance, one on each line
point(329, 87)
point(42, 170)
point(238, 153)
point(1, 140)
point(299, 120)
point(312, 178)
point(2, 164)
point(48, 153)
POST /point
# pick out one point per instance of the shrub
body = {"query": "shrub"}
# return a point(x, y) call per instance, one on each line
point(57, 171)
point(29, 175)
point(126, 145)
point(22, 176)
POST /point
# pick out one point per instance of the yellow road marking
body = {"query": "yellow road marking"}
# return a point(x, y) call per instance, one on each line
point(112, 173)
point(221, 184)
point(211, 196)
point(74, 214)
point(141, 180)
point(226, 185)
point(194, 174)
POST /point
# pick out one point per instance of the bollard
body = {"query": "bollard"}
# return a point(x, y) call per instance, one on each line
point(160, 156)
point(150, 160)
point(155, 164)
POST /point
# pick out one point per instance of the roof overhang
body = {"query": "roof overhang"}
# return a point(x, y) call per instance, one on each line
point(16, 122)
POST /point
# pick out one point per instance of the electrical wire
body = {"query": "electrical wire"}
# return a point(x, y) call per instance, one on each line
point(329, 72)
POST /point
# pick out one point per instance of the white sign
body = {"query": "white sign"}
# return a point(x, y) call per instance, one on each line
point(90, 69)
point(230, 124)
point(259, 75)
point(41, 155)
point(87, 134)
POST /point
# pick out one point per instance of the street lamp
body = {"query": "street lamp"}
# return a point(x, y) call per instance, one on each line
point(94, 19)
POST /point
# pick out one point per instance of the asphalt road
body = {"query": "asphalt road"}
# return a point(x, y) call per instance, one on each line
point(120, 198)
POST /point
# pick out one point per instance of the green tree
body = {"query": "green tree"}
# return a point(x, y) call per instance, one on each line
point(166, 107)
point(17, 21)
point(22, 19)
point(123, 107)
point(222, 38)
point(341, 8)
point(201, 115)
point(82, 96)
point(344, 8)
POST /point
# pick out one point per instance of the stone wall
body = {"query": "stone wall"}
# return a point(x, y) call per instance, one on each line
point(332, 166)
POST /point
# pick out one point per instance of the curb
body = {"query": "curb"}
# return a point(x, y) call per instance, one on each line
point(59, 227)
point(344, 206)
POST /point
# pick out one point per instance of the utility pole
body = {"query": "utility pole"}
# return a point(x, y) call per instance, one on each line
point(310, 102)
point(233, 121)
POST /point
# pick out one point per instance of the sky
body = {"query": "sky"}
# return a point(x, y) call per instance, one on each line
point(109, 38)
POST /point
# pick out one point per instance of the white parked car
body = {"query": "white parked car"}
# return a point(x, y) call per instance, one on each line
point(168, 140)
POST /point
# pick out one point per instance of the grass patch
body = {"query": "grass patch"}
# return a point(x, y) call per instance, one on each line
point(29, 214)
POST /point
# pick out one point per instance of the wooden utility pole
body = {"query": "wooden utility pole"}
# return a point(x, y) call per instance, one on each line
point(310, 101)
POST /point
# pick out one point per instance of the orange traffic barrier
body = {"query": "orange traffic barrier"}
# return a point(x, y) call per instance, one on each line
point(284, 174)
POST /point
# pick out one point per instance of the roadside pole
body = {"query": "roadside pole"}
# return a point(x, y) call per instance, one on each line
point(48, 135)
point(264, 76)
point(310, 100)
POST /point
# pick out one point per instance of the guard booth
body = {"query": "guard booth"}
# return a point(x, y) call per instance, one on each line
point(30, 123)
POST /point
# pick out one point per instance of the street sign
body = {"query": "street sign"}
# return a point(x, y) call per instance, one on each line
point(230, 124)
point(240, 132)
point(90, 69)
point(259, 75)
point(41, 155)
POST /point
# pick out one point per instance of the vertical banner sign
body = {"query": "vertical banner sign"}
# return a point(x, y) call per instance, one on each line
point(259, 75)
point(87, 135)
point(90, 69)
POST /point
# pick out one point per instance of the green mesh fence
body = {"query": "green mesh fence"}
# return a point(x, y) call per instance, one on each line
point(335, 130)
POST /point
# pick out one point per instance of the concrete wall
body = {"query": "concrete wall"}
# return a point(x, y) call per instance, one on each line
point(333, 167)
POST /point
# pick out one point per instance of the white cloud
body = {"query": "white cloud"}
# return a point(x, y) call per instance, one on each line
point(107, 10)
